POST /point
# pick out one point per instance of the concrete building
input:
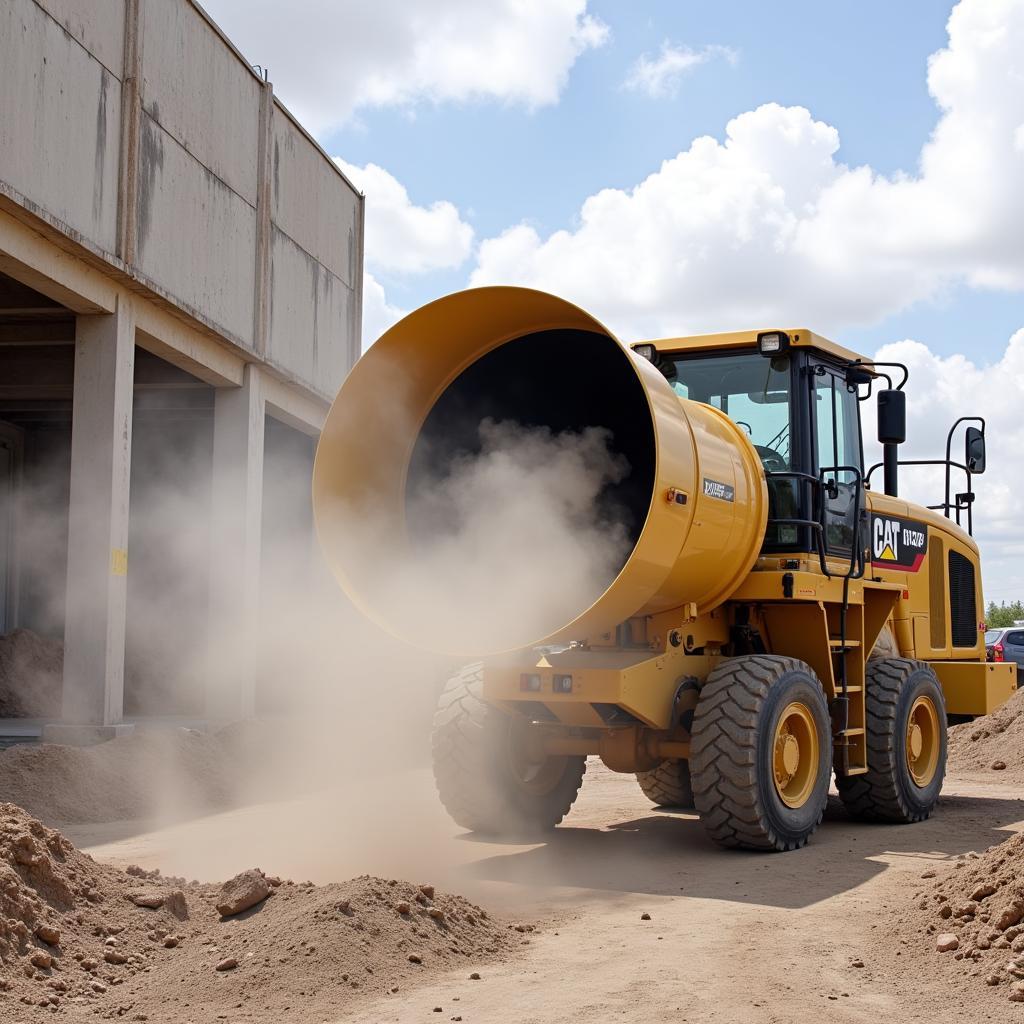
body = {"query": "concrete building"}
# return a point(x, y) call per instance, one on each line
point(180, 298)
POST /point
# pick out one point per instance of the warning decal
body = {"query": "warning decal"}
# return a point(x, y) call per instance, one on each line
point(716, 489)
point(897, 543)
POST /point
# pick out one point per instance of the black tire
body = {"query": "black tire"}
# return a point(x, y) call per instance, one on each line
point(475, 756)
point(732, 753)
point(889, 792)
point(668, 785)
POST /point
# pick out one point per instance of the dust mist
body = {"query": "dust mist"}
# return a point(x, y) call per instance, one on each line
point(332, 778)
point(505, 545)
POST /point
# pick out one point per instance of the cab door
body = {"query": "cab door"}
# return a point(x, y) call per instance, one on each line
point(838, 455)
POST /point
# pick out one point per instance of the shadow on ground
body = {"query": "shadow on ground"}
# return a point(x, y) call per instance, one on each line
point(668, 854)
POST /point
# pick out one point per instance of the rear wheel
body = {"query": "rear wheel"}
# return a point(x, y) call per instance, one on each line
point(489, 773)
point(668, 785)
point(761, 754)
point(906, 731)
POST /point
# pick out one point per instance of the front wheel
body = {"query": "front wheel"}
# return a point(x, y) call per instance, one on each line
point(761, 753)
point(488, 772)
point(906, 733)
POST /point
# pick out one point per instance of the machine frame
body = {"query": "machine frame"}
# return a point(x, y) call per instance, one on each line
point(628, 695)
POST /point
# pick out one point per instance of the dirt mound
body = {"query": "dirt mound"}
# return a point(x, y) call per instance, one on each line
point(992, 743)
point(149, 774)
point(31, 669)
point(84, 939)
point(970, 920)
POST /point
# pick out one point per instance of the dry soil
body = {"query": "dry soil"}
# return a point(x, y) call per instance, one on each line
point(81, 939)
point(731, 937)
point(994, 743)
point(637, 916)
point(30, 674)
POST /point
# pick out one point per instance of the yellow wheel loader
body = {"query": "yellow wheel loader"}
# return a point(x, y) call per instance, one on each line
point(775, 618)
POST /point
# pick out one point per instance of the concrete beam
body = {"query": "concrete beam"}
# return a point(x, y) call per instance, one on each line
point(170, 338)
point(238, 429)
point(101, 440)
point(295, 406)
point(35, 261)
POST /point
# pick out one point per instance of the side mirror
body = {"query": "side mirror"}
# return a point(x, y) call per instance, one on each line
point(974, 458)
point(892, 416)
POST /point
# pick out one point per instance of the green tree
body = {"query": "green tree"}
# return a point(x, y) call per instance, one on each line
point(1004, 614)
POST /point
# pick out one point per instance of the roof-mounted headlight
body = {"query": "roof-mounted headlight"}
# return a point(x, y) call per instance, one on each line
point(772, 343)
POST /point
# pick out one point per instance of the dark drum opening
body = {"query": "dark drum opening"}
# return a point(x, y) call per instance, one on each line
point(565, 380)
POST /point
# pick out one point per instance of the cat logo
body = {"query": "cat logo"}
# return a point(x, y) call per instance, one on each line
point(897, 543)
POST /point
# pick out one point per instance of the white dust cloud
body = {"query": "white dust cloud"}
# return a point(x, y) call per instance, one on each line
point(505, 546)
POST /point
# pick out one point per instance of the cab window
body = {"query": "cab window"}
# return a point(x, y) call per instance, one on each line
point(751, 390)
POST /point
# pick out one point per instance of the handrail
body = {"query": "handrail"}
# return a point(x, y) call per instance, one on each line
point(818, 525)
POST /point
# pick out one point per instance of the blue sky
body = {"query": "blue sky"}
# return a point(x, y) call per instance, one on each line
point(862, 175)
point(861, 68)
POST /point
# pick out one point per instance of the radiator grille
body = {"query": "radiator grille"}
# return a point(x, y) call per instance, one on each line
point(963, 612)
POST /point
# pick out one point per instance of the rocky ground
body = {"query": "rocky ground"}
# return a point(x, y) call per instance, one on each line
point(972, 915)
point(640, 917)
point(967, 917)
point(80, 938)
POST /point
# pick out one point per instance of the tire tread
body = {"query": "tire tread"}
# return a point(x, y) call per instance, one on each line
point(462, 754)
point(723, 754)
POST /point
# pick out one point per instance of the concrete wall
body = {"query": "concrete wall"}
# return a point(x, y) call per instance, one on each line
point(60, 112)
point(138, 131)
point(316, 261)
point(197, 167)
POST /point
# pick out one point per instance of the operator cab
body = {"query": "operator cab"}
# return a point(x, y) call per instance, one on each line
point(792, 394)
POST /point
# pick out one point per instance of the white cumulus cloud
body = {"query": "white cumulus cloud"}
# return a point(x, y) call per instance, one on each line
point(401, 236)
point(660, 76)
point(402, 239)
point(768, 226)
point(378, 313)
point(328, 59)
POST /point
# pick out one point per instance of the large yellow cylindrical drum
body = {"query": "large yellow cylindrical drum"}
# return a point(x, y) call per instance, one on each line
point(694, 499)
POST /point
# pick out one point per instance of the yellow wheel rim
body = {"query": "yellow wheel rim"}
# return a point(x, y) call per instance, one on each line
point(795, 755)
point(923, 741)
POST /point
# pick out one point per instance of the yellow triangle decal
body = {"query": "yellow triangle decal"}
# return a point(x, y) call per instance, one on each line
point(888, 554)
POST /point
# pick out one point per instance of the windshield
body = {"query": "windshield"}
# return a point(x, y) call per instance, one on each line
point(750, 389)
point(992, 636)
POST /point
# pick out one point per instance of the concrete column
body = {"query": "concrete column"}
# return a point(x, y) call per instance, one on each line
point(237, 505)
point(101, 442)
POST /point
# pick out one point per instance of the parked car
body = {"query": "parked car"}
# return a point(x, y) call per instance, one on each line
point(1005, 644)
